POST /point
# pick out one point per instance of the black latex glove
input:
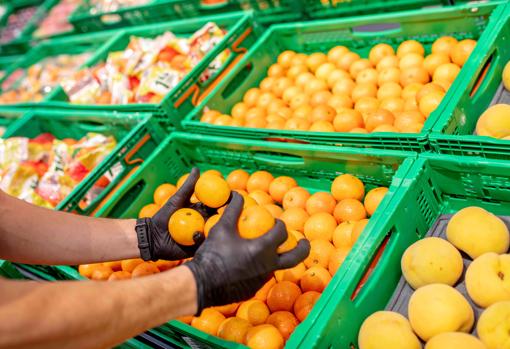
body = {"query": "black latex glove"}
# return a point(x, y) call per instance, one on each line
point(228, 268)
point(161, 244)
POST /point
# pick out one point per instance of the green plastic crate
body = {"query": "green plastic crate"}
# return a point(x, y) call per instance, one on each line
point(310, 165)
point(84, 19)
point(319, 36)
point(69, 45)
point(185, 96)
point(137, 136)
point(266, 12)
point(340, 8)
point(479, 83)
point(436, 184)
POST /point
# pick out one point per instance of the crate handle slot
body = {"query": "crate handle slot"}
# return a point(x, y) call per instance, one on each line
point(484, 77)
point(237, 80)
point(128, 158)
point(370, 268)
point(376, 29)
point(194, 90)
point(279, 159)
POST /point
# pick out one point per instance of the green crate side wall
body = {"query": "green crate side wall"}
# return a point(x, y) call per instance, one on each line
point(267, 12)
point(332, 8)
point(9, 116)
point(50, 48)
point(236, 23)
point(154, 11)
point(273, 11)
point(141, 186)
point(66, 125)
point(321, 36)
point(435, 185)
point(453, 131)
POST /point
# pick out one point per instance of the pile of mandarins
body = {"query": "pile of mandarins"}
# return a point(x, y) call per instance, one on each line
point(332, 221)
point(342, 92)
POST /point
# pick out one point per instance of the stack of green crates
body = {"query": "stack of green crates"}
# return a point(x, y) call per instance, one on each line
point(357, 33)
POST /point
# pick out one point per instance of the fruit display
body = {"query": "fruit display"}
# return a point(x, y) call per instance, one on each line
point(456, 283)
point(44, 170)
point(494, 122)
point(146, 70)
point(391, 89)
point(332, 221)
point(36, 82)
point(56, 21)
point(16, 23)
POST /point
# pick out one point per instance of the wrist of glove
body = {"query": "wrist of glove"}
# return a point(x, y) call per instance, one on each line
point(228, 268)
point(154, 239)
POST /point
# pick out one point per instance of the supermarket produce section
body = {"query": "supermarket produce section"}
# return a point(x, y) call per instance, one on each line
point(378, 131)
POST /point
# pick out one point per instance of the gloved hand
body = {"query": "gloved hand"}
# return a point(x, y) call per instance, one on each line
point(228, 268)
point(159, 241)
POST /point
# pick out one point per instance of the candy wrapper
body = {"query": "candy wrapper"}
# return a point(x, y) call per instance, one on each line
point(203, 42)
point(45, 170)
point(147, 70)
point(34, 83)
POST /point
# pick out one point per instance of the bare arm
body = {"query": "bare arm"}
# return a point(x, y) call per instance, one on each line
point(73, 315)
point(34, 235)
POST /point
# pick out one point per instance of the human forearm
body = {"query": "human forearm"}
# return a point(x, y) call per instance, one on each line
point(71, 315)
point(29, 234)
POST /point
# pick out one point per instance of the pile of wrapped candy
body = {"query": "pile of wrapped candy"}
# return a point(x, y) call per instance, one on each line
point(44, 170)
point(147, 69)
point(56, 21)
point(34, 83)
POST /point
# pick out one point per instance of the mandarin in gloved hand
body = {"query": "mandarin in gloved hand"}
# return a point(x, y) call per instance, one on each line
point(228, 268)
point(155, 236)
